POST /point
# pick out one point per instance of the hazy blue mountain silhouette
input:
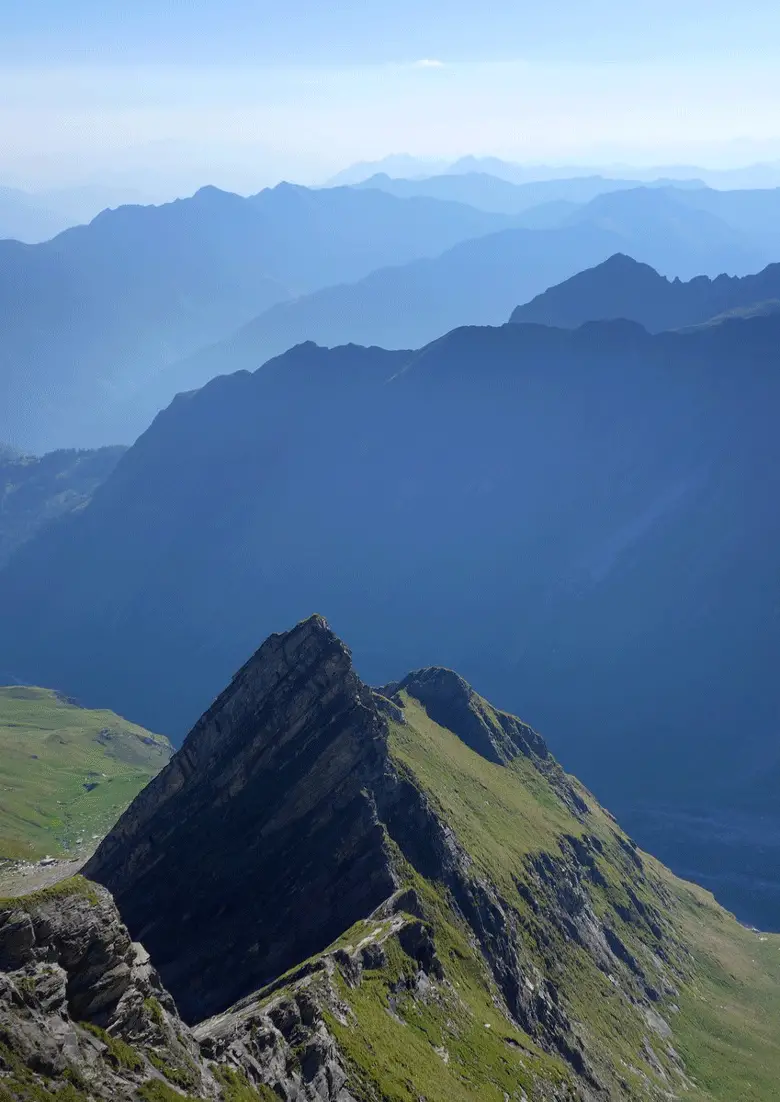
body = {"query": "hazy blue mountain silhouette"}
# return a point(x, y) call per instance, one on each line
point(755, 212)
point(487, 192)
point(582, 521)
point(478, 282)
point(673, 235)
point(403, 166)
point(395, 164)
point(623, 288)
point(762, 175)
point(92, 315)
point(474, 283)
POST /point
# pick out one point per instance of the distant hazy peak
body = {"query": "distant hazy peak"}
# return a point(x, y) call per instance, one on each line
point(622, 287)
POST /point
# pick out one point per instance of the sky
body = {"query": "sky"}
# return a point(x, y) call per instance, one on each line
point(169, 95)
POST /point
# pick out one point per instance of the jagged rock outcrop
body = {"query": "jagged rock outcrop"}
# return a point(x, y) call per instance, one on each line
point(84, 1016)
point(81, 1004)
point(279, 1038)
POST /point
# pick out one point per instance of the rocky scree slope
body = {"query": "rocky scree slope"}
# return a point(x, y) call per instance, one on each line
point(409, 898)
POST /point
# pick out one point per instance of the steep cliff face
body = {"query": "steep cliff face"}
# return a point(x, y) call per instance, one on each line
point(259, 844)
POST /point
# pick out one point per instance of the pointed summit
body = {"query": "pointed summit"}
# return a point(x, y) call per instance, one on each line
point(622, 287)
point(261, 812)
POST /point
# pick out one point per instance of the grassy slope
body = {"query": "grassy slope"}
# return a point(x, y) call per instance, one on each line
point(724, 1018)
point(728, 1028)
point(455, 1046)
point(50, 750)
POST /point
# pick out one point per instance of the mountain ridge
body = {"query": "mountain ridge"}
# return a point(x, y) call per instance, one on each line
point(477, 282)
point(487, 192)
point(96, 313)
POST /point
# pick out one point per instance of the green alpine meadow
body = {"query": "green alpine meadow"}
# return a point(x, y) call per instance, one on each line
point(66, 773)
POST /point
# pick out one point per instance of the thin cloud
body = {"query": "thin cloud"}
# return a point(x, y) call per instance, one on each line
point(429, 63)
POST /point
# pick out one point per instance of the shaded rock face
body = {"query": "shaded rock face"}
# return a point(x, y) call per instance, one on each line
point(259, 844)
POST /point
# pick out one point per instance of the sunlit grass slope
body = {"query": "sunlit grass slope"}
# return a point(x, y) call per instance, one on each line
point(722, 1011)
point(66, 773)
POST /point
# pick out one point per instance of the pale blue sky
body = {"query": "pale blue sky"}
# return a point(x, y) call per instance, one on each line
point(244, 91)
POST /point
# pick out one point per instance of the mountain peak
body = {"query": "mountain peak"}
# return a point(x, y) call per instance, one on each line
point(622, 287)
point(624, 262)
point(287, 790)
point(268, 788)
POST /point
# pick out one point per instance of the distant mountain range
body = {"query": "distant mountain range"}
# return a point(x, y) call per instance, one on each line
point(761, 175)
point(486, 192)
point(26, 218)
point(755, 212)
point(478, 282)
point(106, 322)
point(474, 283)
point(623, 288)
point(677, 233)
point(747, 220)
point(501, 501)
point(92, 315)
